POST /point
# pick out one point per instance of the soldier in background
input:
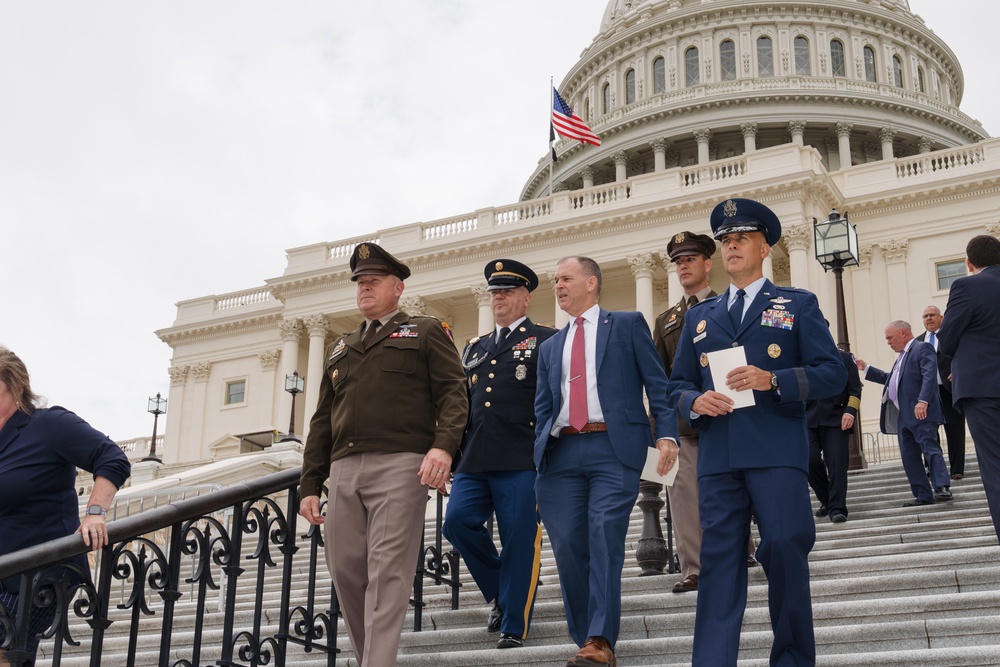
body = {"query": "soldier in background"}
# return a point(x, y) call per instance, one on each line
point(496, 470)
point(392, 408)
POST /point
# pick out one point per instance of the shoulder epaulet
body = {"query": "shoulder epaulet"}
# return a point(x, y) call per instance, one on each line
point(544, 326)
point(424, 317)
point(800, 290)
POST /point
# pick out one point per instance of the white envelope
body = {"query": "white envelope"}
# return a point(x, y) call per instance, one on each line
point(721, 362)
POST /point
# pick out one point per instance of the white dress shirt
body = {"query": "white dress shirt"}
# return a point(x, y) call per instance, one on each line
point(594, 413)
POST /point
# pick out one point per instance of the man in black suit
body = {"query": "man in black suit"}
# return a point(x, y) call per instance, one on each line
point(830, 423)
point(971, 337)
point(496, 471)
point(954, 421)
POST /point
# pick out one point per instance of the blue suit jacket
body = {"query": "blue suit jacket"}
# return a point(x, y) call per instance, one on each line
point(970, 335)
point(917, 382)
point(39, 456)
point(626, 364)
point(793, 342)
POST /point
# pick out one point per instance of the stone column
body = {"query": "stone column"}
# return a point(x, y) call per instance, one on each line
point(318, 328)
point(797, 238)
point(621, 166)
point(886, 135)
point(642, 270)
point(796, 128)
point(894, 253)
point(588, 176)
point(749, 131)
point(174, 425)
point(674, 289)
point(832, 154)
point(844, 143)
point(482, 296)
point(413, 305)
point(193, 437)
point(924, 145)
point(703, 137)
point(768, 267)
point(561, 318)
point(291, 331)
point(659, 154)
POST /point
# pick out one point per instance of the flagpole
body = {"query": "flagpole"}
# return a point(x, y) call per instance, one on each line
point(551, 134)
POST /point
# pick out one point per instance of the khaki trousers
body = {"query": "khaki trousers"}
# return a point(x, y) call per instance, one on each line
point(374, 522)
point(684, 507)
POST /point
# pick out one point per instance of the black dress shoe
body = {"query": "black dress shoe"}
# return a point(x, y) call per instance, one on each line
point(837, 517)
point(496, 617)
point(958, 476)
point(916, 502)
point(943, 493)
point(822, 511)
point(508, 640)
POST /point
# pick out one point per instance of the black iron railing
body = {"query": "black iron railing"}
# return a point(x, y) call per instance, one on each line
point(184, 554)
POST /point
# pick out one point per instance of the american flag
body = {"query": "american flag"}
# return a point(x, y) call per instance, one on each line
point(568, 124)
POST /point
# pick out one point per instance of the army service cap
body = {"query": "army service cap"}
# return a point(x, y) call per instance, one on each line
point(508, 274)
point(370, 259)
point(745, 215)
point(688, 243)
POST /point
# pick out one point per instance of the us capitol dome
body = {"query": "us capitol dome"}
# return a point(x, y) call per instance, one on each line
point(674, 83)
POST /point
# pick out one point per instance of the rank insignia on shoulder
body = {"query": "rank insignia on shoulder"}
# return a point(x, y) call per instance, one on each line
point(474, 340)
point(780, 299)
point(774, 350)
point(701, 326)
point(703, 360)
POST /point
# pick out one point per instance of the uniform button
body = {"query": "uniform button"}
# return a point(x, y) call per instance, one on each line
point(350, 444)
point(531, 423)
point(487, 404)
point(736, 343)
point(494, 362)
point(491, 376)
point(489, 389)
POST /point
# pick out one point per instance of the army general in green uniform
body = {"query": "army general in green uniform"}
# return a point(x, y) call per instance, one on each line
point(391, 413)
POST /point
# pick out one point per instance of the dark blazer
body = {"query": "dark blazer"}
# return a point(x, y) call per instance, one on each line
point(501, 382)
point(39, 455)
point(943, 361)
point(917, 382)
point(626, 364)
point(970, 335)
point(799, 351)
point(829, 411)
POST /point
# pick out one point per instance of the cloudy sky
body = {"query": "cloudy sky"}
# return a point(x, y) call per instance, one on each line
point(157, 151)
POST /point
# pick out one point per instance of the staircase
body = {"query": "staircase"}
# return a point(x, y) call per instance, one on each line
point(892, 586)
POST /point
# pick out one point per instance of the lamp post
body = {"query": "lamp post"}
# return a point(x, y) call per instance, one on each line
point(294, 384)
point(157, 407)
point(836, 247)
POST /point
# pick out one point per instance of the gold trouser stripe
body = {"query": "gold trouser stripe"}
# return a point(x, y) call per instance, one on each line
point(536, 565)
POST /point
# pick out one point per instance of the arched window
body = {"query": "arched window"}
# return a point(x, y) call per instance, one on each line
point(586, 109)
point(691, 75)
point(801, 56)
point(920, 79)
point(727, 60)
point(897, 72)
point(606, 95)
point(837, 63)
point(765, 57)
point(659, 76)
point(870, 74)
point(630, 86)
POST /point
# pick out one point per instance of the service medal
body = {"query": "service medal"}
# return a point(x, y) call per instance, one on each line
point(774, 350)
point(701, 326)
point(703, 359)
point(521, 372)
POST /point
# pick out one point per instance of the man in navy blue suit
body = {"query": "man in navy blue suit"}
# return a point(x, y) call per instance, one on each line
point(954, 420)
point(911, 407)
point(592, 436)
point(754, 458)
point(971, 337)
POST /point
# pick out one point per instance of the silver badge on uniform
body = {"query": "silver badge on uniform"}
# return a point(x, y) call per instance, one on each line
point(521, 372)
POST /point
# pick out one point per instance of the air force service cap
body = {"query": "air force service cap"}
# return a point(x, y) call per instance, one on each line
point(508, 274)
point(688, 243)
point(370, 259)
point(745, 215)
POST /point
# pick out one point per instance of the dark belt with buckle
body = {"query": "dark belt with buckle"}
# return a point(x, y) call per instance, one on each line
point(591, 427)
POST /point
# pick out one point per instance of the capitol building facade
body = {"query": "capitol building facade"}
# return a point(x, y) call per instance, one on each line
point(807, 107)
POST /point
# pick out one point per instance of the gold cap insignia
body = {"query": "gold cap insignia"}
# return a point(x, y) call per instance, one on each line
point(499, 266)
point(774, 350)
point(364, 252)
point(679, 238)
point(729, 208)
point(703, 359)
point(701, 326)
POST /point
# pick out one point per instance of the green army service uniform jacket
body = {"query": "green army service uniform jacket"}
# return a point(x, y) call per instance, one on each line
point(405, 393)
point(666, 337)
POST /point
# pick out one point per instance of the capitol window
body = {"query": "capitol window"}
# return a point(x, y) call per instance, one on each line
point(727, 60)
point(691, 75)
point(837, 58)
point(630, 86)
point(870, 65)
point(897, 72)
point(659, 76)
point(236, 392)
point(948, 272)
point(801, 56)
point(765, 57)
point(920, 80)
point(606, 93)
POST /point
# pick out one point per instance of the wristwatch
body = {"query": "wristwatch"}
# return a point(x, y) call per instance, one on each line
point(96, 510)
point(774, 382)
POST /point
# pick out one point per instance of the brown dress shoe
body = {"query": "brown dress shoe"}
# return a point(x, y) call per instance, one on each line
point(596, 652)
point(687, 585)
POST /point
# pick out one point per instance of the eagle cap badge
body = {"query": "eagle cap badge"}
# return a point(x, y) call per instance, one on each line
point(679, 238)
point(364, 252)
point(499, 266)
point(729, 208)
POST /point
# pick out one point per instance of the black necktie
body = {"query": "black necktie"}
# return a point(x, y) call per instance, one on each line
point(691, 301)
point(370, 334)
point(504, 332)
point(736, 310)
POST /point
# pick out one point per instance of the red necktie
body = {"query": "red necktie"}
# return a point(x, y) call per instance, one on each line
point(578, 416)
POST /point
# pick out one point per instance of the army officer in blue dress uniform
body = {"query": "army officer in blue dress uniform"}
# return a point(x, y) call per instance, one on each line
point(496, 471)
point(754, 458)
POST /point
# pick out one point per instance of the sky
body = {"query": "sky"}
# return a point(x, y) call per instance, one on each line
point(158, 151)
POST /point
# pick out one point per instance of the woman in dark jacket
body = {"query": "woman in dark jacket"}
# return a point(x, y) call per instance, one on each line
point(40, 450)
